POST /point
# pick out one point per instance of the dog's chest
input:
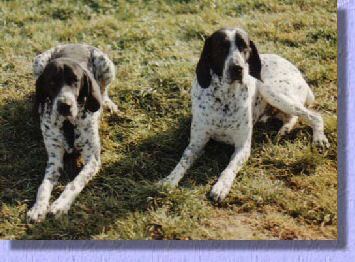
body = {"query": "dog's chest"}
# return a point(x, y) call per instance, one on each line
point(225, 114)
point(222, 108)
point(76, 137)
point(59, 132)
point(73, 137)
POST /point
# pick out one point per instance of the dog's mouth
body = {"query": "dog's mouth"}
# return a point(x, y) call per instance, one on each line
point(70, 116)
point(232, 81)
point(58, 115)
point(67, 110)
point(71, 119)
point(234, 74)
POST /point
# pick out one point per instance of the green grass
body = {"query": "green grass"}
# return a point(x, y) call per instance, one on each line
point(285, 191)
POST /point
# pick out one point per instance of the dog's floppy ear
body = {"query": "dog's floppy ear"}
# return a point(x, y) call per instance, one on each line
point(254, 62)
point(40, 96)
point(91, 91)
point(203, 66)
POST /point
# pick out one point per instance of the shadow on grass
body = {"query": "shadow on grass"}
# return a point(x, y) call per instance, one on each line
point(121, 188)
point(22, 151)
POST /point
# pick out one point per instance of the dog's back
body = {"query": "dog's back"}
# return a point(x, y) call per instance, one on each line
point(285, 78)
point(80, 53)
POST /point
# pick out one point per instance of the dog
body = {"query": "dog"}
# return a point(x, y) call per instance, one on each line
point(234, 88)
point(71, 87)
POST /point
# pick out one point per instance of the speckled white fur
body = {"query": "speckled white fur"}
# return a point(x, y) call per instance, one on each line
point(284, 88)
point(227, 112)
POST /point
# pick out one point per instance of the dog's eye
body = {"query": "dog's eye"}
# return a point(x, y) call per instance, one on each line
point(223, 44)
point(222, 47)
point(72, 80)
point(246, 53)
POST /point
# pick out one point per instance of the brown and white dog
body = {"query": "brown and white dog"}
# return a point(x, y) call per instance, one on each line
point(233, 89)
point(71, 87)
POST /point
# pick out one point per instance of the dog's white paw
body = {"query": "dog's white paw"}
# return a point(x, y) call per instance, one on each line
point(219, 191)
point(37, 213)
point(59, 207)
point(320, 140)
point(264, 118)
point(284, 130)
point(169, 181)
point(110, 105)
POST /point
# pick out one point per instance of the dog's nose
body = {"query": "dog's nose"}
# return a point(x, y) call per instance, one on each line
point(235, 72)
point(63, 108)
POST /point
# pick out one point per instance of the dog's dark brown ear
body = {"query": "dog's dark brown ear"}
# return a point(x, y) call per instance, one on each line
point(254, 62)
point(40, 96)
point(203, 68)
point(91, 91)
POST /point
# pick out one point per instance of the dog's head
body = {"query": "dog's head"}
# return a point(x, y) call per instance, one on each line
point(69, 87)
point(231, 55)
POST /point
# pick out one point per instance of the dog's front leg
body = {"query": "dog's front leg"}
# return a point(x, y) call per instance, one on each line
point(72, 190)
point(42, 60)
point(191, 153)
point(53, 171)
point(241, 154)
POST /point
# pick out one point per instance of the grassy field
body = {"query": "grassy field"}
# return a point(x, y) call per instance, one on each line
point(285, 191)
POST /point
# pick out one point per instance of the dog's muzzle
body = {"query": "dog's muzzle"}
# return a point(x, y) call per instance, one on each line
point(235, 72)
point(64, 108)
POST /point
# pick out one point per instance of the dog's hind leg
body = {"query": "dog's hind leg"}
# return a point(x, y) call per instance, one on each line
point(108, 103)
point(105, 73)
point(289, 123)
point(42, 60)
point(292, 107)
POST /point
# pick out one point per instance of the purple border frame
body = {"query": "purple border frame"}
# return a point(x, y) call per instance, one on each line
point(342, 249)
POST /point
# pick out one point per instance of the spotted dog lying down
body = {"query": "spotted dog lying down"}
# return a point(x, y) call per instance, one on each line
point(227, 100)
point(71, 86)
